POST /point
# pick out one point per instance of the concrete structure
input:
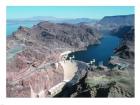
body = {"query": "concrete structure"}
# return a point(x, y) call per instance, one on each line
point(71, 69)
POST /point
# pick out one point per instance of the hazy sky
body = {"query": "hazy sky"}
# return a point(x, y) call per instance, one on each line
point(95, 12)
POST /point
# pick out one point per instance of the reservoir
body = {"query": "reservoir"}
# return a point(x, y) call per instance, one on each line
point(101, 52)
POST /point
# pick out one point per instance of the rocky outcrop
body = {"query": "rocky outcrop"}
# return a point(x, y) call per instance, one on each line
point(124, 32)
point(126, 50)
point(82, 35)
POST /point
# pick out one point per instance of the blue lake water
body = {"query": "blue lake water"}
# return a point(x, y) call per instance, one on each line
point(101, 52)
point(13, 26)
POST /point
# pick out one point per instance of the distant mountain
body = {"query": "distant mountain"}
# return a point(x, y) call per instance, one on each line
point(109, 23)
point(120, 20)
point(80, 20)
point(55, 20)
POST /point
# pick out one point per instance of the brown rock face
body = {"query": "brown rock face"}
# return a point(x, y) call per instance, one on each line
point(34, 83)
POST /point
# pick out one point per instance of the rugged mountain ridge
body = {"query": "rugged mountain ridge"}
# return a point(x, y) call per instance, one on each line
point(73, 35)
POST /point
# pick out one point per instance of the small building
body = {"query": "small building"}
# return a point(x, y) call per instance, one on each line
point(57, 88)
point(119, 63)
point(101, 66)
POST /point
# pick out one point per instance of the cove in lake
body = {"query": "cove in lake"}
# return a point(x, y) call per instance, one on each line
point(101, 52)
